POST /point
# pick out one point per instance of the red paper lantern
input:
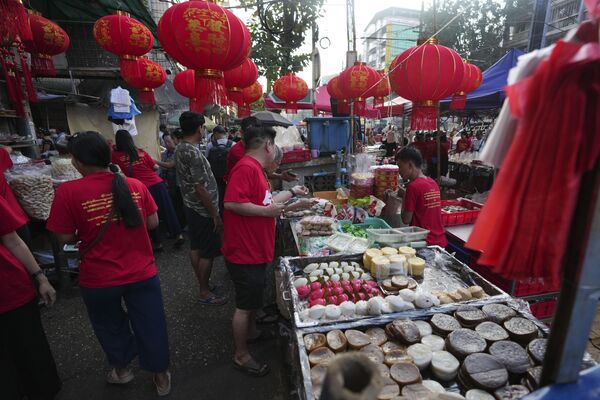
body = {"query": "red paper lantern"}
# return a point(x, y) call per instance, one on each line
point(357, 83)
point(471, 81)
point(250, 94)
point(238, 78)
point(125, 37)
point(185, 84)
point(144, 75)
point(381, 90)
point(291, 89)
point(122, 35)
point(205, 37)
point(333, 88)
point(49, 39)
point(426, 74)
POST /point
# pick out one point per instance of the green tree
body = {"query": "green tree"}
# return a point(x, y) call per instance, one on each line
point(278, 29)
point(258, 105)
point(477, 34)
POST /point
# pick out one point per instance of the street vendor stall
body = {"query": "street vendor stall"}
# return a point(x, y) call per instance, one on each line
point(440, 329)
point(33, 183)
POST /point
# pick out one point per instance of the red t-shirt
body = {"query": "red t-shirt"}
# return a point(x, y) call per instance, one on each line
point(236, 153)
point(423, 200)
point(422, 147)
point(430, 150)
point(123, 255)
point(462, 145)
point(248, 240)
point(16, 288)
point(5, 191)
point(142, 169)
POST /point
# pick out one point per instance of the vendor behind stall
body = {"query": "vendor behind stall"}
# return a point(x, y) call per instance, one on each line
point(421, 205)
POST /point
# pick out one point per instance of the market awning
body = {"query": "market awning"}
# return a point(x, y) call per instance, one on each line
point(90, 11)
point(490, 94)
point(395, 110)
point(273, 102)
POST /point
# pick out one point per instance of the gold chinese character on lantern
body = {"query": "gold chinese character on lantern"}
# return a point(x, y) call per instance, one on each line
point(102, 32)
point(153, 73)
point(217, 42)
point(138, 36)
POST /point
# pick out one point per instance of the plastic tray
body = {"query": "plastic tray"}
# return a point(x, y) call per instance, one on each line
point(351, 244)
point(460, 217)
point(413, 233)
point(386, 236)
point(369, 223)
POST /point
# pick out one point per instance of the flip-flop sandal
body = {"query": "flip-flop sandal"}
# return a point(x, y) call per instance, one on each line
point(213, 300)
point(251, 367)
point(264, 335)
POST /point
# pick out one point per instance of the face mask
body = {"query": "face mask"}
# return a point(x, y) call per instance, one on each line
point(222, 141)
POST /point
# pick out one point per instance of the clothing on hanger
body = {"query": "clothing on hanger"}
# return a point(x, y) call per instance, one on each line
point(523, 228)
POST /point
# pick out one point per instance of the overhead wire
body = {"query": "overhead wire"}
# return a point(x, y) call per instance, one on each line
point(387, 74)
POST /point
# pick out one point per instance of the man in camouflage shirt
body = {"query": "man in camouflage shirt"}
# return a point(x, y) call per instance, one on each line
point(201, 203)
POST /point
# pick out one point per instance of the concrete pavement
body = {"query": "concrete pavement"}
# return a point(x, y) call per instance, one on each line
point(200, 342)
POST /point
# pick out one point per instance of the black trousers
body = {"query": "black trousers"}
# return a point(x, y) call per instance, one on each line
point(177, 200)
point(27, 367)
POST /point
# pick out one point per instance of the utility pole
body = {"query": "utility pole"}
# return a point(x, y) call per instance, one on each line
point(538, 24)
point(316, 57)
point(350, 33)
point(421, 19)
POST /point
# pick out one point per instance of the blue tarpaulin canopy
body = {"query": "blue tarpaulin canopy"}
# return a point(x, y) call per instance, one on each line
point(490, 94)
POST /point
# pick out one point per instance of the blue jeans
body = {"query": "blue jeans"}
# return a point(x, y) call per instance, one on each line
point(145, 316)
point(166, 210)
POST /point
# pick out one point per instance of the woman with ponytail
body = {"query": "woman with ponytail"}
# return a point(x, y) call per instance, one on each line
point(136, 163)
point(110, 214)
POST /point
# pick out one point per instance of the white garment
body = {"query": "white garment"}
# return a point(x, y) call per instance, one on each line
point(120, 96)
point(128, 125)
point(501, 137)
point(391, 136)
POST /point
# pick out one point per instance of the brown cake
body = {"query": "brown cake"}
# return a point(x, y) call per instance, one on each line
point(512, 355)
point(537, 350)
point(512, 392)
point(463, 342)
point(482, 371)
point(443, 324)
point(498, 313)
point(491, 331)
point(405, 373)
point(377, 336)
point(521, 330)
point(404, 331)
point(469, 316)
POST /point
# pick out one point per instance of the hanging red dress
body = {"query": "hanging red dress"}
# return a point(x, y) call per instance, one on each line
point(522, 230)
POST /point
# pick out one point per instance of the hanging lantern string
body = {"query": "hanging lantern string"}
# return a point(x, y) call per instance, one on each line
point(386, 75)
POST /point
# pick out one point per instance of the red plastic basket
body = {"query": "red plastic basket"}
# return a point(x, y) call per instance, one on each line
point(544, 309)
point(295, 156)
point(460, 217)
point(520, 289)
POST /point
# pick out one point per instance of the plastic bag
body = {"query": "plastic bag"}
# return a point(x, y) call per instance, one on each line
point(63, 170)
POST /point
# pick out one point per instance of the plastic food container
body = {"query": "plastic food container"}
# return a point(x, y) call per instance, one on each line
point(413, 233)
point(390, 237)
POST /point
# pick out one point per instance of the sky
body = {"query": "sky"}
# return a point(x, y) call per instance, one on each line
point(333, 26)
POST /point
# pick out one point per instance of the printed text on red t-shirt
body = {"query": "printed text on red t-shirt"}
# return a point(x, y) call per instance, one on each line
point(432, 199)
point(104, 203)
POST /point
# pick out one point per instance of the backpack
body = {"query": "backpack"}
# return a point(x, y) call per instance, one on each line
point(217, 157)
